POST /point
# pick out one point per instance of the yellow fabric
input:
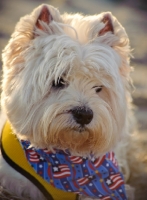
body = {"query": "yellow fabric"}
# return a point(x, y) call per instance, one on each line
point(15, 152)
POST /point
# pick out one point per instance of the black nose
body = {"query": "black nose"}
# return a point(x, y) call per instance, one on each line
point(82, 115)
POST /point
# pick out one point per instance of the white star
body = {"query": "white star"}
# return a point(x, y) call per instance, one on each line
point(108, 182)
point(55, 169)
point(41, 158)
point(107, 165)
point(56, 162)
point(40, 166)
point(93, 159)
point(84, 165)
point(90, 184)
point(100, 195)
point(53, 156)
point(120, 190)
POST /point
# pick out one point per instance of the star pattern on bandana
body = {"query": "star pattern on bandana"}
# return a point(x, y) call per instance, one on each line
point(95, 177)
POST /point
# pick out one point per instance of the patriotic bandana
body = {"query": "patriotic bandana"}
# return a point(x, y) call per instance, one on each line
point(96, 177)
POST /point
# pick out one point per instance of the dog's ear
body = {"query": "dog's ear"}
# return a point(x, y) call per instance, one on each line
point(112, 33)
point(45, 16)
point(108, 26)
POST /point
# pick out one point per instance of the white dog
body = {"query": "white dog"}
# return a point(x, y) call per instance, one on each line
point(65, 97)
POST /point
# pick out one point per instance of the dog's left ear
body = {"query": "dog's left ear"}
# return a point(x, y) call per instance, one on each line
point(112, 33)
point(108, 26)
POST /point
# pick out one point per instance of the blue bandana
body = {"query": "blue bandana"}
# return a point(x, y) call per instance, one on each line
point(96, 177)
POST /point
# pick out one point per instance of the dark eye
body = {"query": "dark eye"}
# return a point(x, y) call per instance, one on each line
point(59, 84)
point(98, 88)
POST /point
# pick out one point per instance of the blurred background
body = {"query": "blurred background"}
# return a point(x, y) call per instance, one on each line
point(133, 16)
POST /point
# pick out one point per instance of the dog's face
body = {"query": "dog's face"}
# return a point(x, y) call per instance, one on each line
point(65, 78)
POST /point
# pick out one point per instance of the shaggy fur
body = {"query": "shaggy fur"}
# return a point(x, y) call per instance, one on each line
point(89, 57)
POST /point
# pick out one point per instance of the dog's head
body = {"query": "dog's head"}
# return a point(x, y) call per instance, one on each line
point(65, 80)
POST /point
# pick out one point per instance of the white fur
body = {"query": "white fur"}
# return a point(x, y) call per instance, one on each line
point(70, 48)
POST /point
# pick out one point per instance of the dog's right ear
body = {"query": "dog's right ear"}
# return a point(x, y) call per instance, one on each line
point(44, 17)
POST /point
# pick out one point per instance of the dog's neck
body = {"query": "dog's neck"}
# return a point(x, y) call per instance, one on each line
point(76, 174)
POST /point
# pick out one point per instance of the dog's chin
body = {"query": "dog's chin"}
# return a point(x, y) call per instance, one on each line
point(77, 139)
point(80, 141)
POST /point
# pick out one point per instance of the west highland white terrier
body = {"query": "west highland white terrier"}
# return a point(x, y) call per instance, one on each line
point(65, 103)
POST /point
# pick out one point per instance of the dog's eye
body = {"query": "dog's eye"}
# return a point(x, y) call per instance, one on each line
point(98, 88)
point(59, 84)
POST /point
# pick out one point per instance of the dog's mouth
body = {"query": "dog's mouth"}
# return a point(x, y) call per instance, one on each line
point(80, 129)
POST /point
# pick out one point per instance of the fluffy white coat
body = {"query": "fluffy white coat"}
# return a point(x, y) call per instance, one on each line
point(87, 52)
